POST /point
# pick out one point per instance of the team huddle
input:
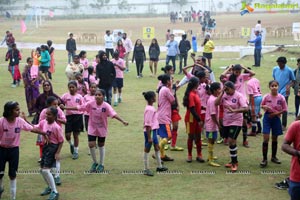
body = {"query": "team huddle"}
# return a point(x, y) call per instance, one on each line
point(227, 108)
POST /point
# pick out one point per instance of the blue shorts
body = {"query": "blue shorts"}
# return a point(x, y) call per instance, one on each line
point(257, 103)
point(154, 139)
point(117, 83)
point(294, 190)
point(212, 135)
point(164, 131)
point(272, 123)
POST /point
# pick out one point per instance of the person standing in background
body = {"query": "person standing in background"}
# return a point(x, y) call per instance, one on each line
point(71, 48)
point(209, 46)
point(8, 39)
point(184, 47)
point(286, 79)
point(258, 26)
point(257, 48)
point(52, 61)
point(109, 43)
point(128, 46)
point(172, 51)
point(168, 34)
point(297, 88)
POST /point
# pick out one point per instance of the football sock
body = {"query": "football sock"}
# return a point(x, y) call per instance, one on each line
point(102, 155)
point(116, 97)
point(244, 128)
point(174, 138)
point(93, 154)
point(233, 153)
point(13, 188)
point(190, 146)
point(57, 172)
point(162, 144)
point(199, 147)
point(50, 180)
point(274, 148)
point(265, 150)
point(158, 159)
point(76, 149)
point(146, 160)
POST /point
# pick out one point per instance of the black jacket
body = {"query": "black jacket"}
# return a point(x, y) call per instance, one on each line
point(71, 45)
point(106, 72)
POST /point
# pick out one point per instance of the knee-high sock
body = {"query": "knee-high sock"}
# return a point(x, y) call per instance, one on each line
point(102, 155)
point(265, 150)
point(233, 153)
point(41, 150)
point(162, 144)
point(190, 146)
point(57, 172)
point(93, 154)
point(13, 188)
point(146, 160)
point(50, 180)
point(116, 97)
point(210, 149)
point(258, 126)
point(174, 138)
point(76, 149)
point(274, 148)
point(158, 159)
point(253, 127)
point(199, 147)
point(244, 128)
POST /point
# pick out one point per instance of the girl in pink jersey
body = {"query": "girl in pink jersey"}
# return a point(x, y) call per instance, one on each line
point(175, 117)
point(89, 97)
point(212, 124)
point(239, 79)
point(234, 105)
point(10, 131)
point(118, 81)
point(274, 105)
point(98, 111)
point(255, 98)
point(165, 100)
point(51, 150)
point(151, 125)
point(85, 63)
point(74, 118)
point(82, 85)
point(60, 119)
point(92, 77)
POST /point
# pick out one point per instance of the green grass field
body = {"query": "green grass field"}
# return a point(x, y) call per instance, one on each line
point(124, 146)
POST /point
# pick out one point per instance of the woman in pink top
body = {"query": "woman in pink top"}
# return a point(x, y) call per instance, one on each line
point(234, 105)
point(212, 125)
point(98, 111)
point(10, 132)
point(274, 105)
point(74, 118)
point(51, 149)
point(239, 79)
point(118, 81)
point(85, 63)
point(165, 101)
point(151, 127)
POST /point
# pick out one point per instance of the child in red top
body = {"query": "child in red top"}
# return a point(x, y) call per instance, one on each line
point(274, 105)
point(14, 57)
point(193, 119)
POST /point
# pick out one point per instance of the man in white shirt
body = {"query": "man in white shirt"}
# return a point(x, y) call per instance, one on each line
point(258, 26)
point(109, 44)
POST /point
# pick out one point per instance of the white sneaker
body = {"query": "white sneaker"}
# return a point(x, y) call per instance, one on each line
point(13, 85)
